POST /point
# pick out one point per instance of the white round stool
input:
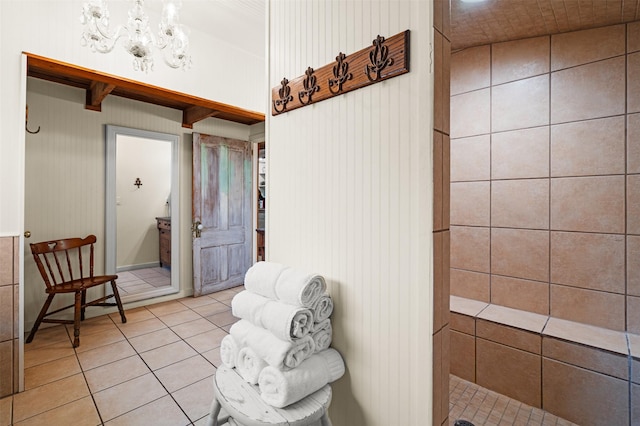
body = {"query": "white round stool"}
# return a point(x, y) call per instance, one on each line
point(245, 407)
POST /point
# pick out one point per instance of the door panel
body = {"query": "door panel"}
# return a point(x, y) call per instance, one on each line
point(222, 204)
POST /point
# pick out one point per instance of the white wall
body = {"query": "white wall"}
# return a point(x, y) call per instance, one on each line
point(350, 197)
point(52, 28)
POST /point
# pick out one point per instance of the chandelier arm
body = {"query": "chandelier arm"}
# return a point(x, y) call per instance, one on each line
point(111, 38)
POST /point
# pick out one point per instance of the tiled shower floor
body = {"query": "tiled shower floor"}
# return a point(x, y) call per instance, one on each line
point(468, 401)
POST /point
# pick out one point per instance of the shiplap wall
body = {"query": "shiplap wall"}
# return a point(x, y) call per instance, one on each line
point(65, 172)
point(349, 190)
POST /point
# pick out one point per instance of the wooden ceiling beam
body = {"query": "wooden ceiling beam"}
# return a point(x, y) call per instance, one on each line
point(98, 85)
point(196, 113)
point(96, 93)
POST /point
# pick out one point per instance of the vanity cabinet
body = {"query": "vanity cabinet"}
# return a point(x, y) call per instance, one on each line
point(164, 229)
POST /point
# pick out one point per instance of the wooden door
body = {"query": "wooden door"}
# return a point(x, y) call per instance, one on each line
point(222, 210)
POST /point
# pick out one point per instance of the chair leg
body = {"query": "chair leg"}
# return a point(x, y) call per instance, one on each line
point(76, 319)
point(114, 287)
point(84, 301)
point(41, 315)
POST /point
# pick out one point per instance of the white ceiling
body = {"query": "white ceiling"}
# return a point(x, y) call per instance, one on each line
point(239, 22)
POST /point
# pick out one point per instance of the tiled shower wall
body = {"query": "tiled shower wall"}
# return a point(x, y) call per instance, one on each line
point(9, 318)
point(545, 175)
point(441, 235)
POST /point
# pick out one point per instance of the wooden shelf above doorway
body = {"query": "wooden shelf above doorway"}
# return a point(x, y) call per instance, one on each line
point(99, 85)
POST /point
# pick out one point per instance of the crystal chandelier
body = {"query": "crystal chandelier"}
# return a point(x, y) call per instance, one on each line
point(171, 38)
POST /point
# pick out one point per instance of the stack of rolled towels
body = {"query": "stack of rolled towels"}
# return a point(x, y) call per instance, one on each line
point(281, 342)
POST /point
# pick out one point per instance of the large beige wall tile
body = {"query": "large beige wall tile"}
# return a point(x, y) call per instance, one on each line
point(633, 36)
point(446, 276)
point(446, 85)
point(515, 60)
point(582, 396)
point(6, 312)
point(463, 356)
point(446, 179)
point(633, 143)
point(520, 253)
point(633, 265)
point(6, 368)
point(588, 91)
point(470, 248)
point(520, 104)
point(470, 69)
point(438, 182)
point(587, 357)
point(581, 47)
point(633, 82)
point(470, 158)
point(438, 6)
point(6, 261)
point(509, 371)
point(471, 285)
point(437, 378)
point(520, 154)
point(509, 336)
point(633, 314)
point(463, 323)
point(633, 204)
point(593, 147)
point(471, 114)
point(470, 203)
point(590, 204)
point(527, 295)
point(585, 260)
point(520, 203)
point(444, 373)
point(438, 104)
point(588, 306)
point(437, 280)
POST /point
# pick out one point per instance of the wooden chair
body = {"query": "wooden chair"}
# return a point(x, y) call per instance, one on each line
point(65, 270)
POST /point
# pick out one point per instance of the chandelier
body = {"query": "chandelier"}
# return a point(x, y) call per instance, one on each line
point(171, 38)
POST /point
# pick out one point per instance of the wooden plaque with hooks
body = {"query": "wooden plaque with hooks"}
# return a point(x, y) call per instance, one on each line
point(384, 59)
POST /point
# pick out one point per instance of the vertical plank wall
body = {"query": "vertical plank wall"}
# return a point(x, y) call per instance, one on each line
point(350, 190)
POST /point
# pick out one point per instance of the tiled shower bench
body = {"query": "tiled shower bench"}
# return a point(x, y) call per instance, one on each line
point(585, 374)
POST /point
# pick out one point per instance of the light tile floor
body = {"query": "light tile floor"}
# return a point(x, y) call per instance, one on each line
point(155, 369)
point(158, 367)
point(140, 280)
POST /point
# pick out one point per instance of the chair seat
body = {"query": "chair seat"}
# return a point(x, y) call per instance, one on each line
point(81, 284)
point(59, 261)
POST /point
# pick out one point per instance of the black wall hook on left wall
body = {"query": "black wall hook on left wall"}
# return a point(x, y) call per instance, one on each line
point(26, 123)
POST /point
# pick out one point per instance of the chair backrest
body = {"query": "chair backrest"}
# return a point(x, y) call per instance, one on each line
point(61, 261)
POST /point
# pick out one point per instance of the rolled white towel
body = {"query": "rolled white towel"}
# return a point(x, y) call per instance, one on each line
point(285, 321)
point(299, 288)
point(229, 351)
point(261, 278)
point(322, 334)
point(281, 388)
point(322, 308)
point(249, 365)
point(275, 352)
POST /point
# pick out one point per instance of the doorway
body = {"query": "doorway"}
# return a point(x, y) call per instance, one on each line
point(141, 181)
